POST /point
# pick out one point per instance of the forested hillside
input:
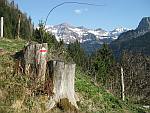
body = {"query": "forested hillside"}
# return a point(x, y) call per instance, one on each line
point(132, 50)
point(11, 13)
point(139, 44)
point(137, 40)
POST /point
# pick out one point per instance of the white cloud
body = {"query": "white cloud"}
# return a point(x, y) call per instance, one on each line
point(78, 11)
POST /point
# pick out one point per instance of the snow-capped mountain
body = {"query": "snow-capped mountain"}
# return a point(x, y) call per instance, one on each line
point(70, 33)
point(116, 32)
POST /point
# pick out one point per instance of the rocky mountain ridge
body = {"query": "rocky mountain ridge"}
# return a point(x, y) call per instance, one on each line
point(70, 33)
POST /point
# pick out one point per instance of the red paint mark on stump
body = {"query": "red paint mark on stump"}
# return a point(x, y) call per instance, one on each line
point(43, 51)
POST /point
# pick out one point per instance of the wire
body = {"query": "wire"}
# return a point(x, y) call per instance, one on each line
point(69, 3)
point(82, 3)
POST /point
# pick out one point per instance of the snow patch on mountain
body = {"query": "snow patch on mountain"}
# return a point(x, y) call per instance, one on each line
point(70, 33)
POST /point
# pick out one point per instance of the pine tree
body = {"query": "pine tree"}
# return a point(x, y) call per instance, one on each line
point(77, 53)
point(102, 62)
point(42, 36)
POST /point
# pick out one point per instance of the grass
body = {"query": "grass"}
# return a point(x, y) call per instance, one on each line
point(11, 45)
point(11, 87)
point(15, 96)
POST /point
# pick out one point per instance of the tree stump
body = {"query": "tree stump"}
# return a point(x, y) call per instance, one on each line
point(63, 86)
point(35, 57)
point(56, 76)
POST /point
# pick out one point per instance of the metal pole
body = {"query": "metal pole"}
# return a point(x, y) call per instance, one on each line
point(2, 27)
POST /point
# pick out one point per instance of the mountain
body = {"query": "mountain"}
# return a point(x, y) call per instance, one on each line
point(70, 33)
point(90, 39)
point(116, 32)
point(134, 40)
point(144, 25)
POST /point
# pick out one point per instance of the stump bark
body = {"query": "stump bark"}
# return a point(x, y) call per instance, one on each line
point(63, 86)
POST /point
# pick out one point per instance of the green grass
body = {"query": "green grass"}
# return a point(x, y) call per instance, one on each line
point(11, 87)
point(11, 45)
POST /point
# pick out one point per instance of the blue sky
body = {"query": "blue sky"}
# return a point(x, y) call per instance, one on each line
point(114, 13)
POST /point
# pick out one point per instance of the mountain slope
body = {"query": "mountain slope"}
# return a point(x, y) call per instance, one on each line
point(15, 95)
point(139, 44)
point(134, 40)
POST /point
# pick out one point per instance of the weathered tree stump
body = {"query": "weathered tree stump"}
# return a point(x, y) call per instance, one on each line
point(35, 57)
point(63, 76)
point(57, 77)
